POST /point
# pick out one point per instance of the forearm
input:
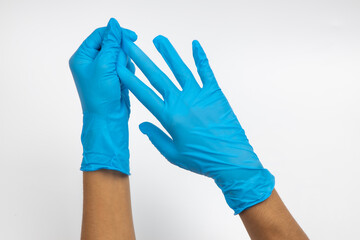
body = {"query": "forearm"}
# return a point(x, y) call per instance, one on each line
point(271, 220)
point(107, 206)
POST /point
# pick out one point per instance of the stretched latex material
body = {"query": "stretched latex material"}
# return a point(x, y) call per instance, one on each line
point(104, 99)
point(206, 136)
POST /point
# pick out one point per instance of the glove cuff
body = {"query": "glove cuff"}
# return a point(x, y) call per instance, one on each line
point(93, 162)
point(105, 143)
point(246, 188)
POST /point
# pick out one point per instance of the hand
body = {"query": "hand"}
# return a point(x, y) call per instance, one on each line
point(206, 136)
point(104, 100)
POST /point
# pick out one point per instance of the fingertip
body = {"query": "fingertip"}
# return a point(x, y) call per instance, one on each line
point(143, 127)
point(114, 25)
point(198, 53)
point(195, 43)
point(130, 34)
point(112, 36)
point(113, 22)
point(158, 39)
point(202, 65)
point(197, 47)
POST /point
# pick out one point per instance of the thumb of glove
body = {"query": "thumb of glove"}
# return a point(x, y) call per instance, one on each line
point(160, 140)
point(111, 44)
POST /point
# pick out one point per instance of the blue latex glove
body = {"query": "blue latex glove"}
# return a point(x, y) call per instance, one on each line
point(104, 100)
point(206, 137)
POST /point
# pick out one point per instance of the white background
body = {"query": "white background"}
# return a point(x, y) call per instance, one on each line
point(290, 70)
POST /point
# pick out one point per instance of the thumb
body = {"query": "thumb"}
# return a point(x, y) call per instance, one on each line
point(159, 139)
point(111, 43)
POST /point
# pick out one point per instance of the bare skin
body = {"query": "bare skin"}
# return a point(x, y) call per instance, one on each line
point(107, 212)
point(271, 220)
point(107, 206)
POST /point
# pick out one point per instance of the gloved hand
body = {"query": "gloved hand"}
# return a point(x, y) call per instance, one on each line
point(104, 100)
point(206, 137)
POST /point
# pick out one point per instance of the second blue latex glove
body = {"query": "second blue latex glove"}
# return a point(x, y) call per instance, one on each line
point(104, 100)
point(206, 136)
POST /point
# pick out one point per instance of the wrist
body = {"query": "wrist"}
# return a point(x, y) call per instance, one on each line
point(270, 219)
point(243, 188)
point(105, 142)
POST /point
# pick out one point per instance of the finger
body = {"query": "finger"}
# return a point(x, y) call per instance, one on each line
point(92, 44)
point(111, 43)
point(156, 77)
point(142, 92)
point(181, 72)
point(124, 89)
point(129, 34)
point(125, 96)
point(202, 65)
point(160, 140)
point(130, 65)
point(122, 58)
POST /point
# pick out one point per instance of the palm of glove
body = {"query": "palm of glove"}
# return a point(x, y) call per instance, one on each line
point(206, 133)
point(98, 84)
